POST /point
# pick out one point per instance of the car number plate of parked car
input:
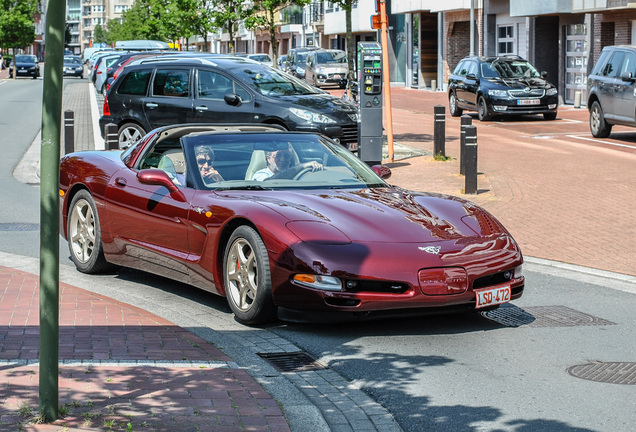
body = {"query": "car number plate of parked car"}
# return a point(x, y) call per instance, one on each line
point(492, 296)
point(528, 102)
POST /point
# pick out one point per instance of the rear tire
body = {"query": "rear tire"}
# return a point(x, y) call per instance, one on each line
point(129, 134)
point(247, 277)
point(598, 125)
point(455, 111)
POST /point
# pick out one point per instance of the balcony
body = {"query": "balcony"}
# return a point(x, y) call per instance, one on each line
point(292, 15)
point(534, 8)
point(316, 13)
point(584, 6)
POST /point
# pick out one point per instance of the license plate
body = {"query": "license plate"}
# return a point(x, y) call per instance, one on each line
point(492, 296)
point(528, 102)
point(336, 76)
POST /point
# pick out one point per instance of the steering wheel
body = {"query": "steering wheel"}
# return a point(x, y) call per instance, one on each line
point(302, 172)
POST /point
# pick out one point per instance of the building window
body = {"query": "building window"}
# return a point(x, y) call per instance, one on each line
point(505, 39)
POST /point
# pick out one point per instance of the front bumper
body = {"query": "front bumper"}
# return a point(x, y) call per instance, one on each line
point(517, 106)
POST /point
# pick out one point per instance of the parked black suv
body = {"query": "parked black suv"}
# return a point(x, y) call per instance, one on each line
point(611, 89)
point(161, 91)
point(497, 86)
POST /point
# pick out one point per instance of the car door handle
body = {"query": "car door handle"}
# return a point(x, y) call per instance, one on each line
point(201, 108)
point(120, 181)
point(152, 105)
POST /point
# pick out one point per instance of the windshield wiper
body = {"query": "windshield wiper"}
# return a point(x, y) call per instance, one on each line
point(245, 187)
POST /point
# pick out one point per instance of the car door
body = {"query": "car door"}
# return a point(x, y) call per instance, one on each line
point(457, 82)
point(169, 100)
point(624, 88)
point(210, 105)
point(148, 223)
point(471, 84)
point(608, 84)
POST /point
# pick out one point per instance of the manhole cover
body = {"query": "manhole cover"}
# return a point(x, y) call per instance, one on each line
point(606, 372)
point(19, 227)
point(292, 362)
point(542, 316)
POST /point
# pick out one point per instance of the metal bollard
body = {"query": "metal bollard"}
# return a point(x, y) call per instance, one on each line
point(465, 120)
point(470, 154)
point(439, 131)
point(110, 134)
point(433, 85)
point(69, 131)
point(577, 99)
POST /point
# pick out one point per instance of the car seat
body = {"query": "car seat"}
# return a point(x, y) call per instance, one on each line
point(258, 161)
point(169, 163)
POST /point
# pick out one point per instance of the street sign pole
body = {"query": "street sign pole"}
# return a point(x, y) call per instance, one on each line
point(49, 208)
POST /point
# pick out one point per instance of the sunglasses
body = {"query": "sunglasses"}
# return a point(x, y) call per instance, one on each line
point(203, 161)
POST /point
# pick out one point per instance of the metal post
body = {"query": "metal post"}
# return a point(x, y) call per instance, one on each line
point(49, 210)
point(471, 160)
point(69, 131)
point(465, 120)
point(439, 131)
point(110, 133)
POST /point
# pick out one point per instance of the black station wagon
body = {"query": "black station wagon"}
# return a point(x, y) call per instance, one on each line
point(500, 86)
point(162, 91)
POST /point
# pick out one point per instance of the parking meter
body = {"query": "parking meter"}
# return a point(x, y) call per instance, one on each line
point(370, 102)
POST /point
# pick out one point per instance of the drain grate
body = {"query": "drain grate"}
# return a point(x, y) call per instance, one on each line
point(19, 227)
point(542, 316)
point(292, 362)
point(606, 372)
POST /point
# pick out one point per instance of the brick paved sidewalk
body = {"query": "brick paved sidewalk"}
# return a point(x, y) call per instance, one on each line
point(120, 366)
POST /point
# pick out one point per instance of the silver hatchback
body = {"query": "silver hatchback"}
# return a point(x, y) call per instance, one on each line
point(327, 67)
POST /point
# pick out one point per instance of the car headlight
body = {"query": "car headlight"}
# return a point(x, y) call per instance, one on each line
point(326, 283)
point(300, 70)
point(500, 93)
point(312, 117)
point(551, 92)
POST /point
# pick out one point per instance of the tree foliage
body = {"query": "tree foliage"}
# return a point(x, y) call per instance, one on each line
point(267, 19)
point(17, 29)
point(227, 14)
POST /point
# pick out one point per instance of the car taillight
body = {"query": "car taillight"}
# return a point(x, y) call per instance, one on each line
point(106, 107)
point(443, 281)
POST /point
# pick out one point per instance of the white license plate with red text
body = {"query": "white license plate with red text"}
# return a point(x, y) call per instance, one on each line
point(492, 296)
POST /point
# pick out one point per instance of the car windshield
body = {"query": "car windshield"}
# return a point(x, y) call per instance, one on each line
point(272, 82)
point(24, 59)
point(506, 68)
point(330, 57)
point(244, 161)
point(72, 60)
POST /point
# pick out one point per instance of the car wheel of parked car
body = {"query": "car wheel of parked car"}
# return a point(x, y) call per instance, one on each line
point(84, 235)
point(247, 278)
point(598, 125)
point(452, 104)
point(129, 134)
point(482, 109)
point(549, 116)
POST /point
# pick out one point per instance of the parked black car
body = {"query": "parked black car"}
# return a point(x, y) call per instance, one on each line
point(73, 66)
point(611, 90)
point(25, 65)
point(498, 86)
point(160, 91)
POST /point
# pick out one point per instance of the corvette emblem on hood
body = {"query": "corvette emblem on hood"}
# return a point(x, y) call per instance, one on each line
point(430, 249)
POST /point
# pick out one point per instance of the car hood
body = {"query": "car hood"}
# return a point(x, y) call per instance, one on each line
point(322, 102)
point(389, 215)
point(516, 83)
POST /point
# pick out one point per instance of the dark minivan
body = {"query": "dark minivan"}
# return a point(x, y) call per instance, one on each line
point(611, 90)
point(155, 92)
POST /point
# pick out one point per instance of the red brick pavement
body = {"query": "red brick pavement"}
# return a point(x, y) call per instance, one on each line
point(563, 198)
point(96, 395)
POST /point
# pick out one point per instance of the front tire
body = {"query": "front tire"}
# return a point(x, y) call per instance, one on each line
point(550, 116)
point(84, 235)
point(482, 109)
point(129, 134)
point(598, 125)
point(247, 277)
point(455, 111)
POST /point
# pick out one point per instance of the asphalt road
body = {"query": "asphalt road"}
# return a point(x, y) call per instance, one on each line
point(447, 373)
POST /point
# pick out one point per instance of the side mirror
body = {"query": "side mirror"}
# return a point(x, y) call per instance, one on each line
point(627, 76)
point(382, 171)
point(471, 76)
point(544, 74)
point(233, 99)
point(159, 177)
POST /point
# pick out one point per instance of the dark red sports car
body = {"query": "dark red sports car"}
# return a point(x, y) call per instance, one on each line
point(283, 223)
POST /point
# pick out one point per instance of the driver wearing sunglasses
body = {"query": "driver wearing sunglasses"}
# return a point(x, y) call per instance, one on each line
point(205, 158)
